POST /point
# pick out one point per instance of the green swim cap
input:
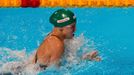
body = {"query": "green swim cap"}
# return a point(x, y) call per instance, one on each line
point(62, 17)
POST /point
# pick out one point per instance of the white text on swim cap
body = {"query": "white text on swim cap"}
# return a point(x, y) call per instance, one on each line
point(63, 20)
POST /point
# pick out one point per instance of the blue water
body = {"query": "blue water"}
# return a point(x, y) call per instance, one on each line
point(111, 29)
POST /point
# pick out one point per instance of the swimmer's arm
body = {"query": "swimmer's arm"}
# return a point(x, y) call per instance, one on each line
point(52, 49)
point(57, 48)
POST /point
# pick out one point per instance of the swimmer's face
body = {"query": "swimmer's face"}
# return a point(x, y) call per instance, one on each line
point(69, 30)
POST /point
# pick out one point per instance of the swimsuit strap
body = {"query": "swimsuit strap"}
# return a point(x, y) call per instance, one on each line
point(56, 36)
point(35, 58)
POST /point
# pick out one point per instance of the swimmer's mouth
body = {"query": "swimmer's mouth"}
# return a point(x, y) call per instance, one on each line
point(73, 34)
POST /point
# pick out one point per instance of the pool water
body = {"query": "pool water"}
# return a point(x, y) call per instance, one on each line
point(108, 30)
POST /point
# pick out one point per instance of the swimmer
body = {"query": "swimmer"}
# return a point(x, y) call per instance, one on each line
point(52, 48)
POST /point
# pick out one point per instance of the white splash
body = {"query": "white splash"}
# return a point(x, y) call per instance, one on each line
point(75, 48)
point(71, 48)
point(18, 61)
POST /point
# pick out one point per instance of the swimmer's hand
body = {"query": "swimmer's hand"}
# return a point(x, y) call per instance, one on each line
point(91, 56)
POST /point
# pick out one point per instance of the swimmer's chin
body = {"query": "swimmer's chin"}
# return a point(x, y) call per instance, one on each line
point(71, 37)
